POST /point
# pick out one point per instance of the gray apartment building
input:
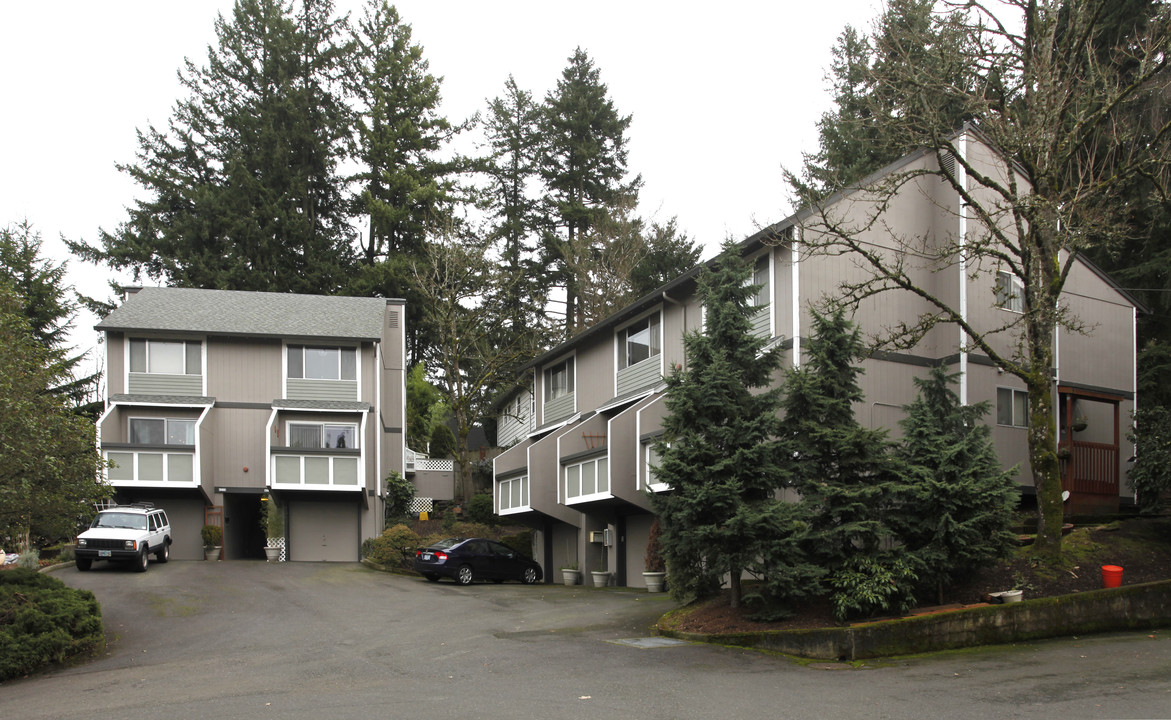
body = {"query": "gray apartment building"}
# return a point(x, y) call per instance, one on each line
point(580, 459)
point(216, 397)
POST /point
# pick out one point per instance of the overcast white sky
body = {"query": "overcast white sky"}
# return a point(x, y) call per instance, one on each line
point(722, 96)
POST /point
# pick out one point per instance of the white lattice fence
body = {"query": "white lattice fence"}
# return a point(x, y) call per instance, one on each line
point(430, 465)
point(422, 504)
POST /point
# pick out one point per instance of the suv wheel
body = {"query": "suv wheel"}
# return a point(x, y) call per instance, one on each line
point(164, 553)
point(143, 561)
point(83, 564)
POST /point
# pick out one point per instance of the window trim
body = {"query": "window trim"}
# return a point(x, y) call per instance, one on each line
point(341, 351)
point(166, 430)
point(1013, 392)
point(569, 361)
point(148, 342)
point(655, 339)
point(1010, 292)
point(502, 493)
point(601, 460)
point(322, 426)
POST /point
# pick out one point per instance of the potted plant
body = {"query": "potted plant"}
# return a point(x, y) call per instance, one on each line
point(601, 578)
point(1080, 423)
point(213, 538)
point(272, 519)
point(654, 568)
point(570, 574)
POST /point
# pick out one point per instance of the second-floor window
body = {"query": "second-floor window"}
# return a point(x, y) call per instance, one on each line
point(559, 379)
point(760, 278)
point(1010, 292)
point(162, 431)
point(1012, 407)
point(322, 435)
point(514, 493)
point(323, 363)
point(169, 357)
point(638, 341)
point(588, 478)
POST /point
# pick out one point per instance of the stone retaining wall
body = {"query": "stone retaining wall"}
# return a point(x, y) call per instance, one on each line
point(1126, 608)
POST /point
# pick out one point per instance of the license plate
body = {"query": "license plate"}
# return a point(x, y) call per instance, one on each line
point(426, 556)
point(103, 553)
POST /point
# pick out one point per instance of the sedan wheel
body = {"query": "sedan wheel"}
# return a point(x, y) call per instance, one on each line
point(530, 576)
point(465, 576)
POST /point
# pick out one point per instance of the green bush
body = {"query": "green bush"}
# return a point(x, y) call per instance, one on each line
point(399, 494)
point(866, 585)
point(480, 509)
point(212, 535)
point(42, 621)
point(395, 547)
point(29, 560)
point(522, 542)
point(470, 529)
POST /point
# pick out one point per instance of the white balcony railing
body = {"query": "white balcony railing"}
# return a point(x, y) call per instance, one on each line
point(154, 467)
point(317, 471)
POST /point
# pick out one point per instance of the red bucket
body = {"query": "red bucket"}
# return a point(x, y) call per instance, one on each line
point(1111, 576)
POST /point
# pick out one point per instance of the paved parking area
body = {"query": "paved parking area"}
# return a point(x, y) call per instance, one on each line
point(306, 640)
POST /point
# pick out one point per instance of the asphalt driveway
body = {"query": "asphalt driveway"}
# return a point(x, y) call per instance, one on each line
point(305, 640)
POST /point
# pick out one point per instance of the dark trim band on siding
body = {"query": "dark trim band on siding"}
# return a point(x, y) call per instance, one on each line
point(155, 448)
point(585, 455)
point(652, 435)
point(244, 406)
point(1124, 394)
point(520, 472)
point(315, 451)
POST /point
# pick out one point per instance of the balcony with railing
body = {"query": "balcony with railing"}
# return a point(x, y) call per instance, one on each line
point(151, 465)
point(312, 469)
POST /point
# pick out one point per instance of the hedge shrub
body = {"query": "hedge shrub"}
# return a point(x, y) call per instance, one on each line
point(42, 622)
point(395, 547)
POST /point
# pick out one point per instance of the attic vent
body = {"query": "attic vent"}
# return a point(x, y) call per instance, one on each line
point(393, 320)
point(947, 163)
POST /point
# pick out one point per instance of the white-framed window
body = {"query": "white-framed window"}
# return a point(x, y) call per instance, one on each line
point(166, 357)
point(1010, 292)
point(514, 493)
point(559, 379)
point(587, 479)
point(323, 363)
point(1012, 407)
point(162, 431)
point(760, 278)
point(322, 435)
point(639, 341)
point(652, 468)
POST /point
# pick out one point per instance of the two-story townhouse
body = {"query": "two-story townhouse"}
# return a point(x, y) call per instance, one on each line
point(583, 459)
point(216, 397)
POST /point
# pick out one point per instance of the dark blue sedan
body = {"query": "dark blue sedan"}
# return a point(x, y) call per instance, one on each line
point(466, 560)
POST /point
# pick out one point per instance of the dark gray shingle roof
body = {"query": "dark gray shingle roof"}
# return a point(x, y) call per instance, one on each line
point(255, 314)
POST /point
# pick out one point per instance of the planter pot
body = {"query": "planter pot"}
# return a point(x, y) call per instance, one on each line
point(273, 554)
point(654, 581)
point(570, 577)
point(1111, 576)
point(1008, 596)
point(212, 553)
point(601, 579)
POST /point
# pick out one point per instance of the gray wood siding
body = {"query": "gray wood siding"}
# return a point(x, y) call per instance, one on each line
point(559, 408)
point(645, 374)
point(240, 370)
point(761, 324)
point(240, 443)
point(345, 390)
point(115, 363)
point(157, 384)
point(512, 427)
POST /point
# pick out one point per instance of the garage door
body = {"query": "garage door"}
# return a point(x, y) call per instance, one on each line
point(324, 531)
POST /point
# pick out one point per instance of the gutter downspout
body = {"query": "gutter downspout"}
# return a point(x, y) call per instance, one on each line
point(962, 180)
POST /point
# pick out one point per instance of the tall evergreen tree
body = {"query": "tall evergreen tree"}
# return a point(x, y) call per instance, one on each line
point(242, 190)
point(850, 490)
point(669, 253)
point(44, 298)
point(719, 450)
point(961, 497)
point(584, 169)
point(403, 186)
point(514, 148)
point(50, 469)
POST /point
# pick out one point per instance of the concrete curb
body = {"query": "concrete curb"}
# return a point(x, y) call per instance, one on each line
point(1128, 608)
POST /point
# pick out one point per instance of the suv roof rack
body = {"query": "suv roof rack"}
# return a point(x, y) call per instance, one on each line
point(143, 505)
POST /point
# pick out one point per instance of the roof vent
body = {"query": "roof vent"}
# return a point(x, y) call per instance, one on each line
point(947, 163)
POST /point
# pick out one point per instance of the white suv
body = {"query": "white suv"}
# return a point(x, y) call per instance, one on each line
point(126, 532)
